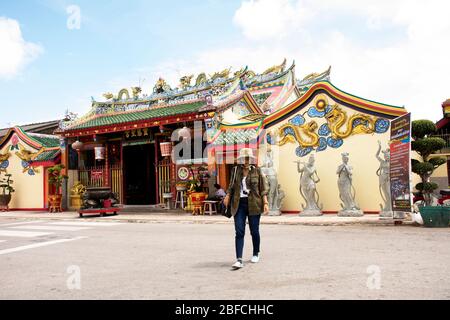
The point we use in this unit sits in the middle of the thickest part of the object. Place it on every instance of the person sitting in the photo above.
(219, 194)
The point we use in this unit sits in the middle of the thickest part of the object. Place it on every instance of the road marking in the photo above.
(37, 245)
(52, 228)
(79, 223)
(19, 223)
(22, 234)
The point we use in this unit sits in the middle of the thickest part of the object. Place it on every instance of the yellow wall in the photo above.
(29, 189)
(362, 149)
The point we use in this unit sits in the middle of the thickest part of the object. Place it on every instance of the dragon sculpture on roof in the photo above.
(185, 82)
(276, 69)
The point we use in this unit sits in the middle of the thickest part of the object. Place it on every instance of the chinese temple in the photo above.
(121, 142)
(27, 156)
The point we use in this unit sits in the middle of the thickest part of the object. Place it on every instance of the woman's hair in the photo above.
(217, 186)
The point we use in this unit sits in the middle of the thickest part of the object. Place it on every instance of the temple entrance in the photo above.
(139, 174)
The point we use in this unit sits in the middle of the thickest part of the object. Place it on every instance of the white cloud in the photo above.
(15, 52)
(269, 19)
(411, 69)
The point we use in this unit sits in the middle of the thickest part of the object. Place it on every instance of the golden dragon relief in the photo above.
(299, 133)
(338, 120)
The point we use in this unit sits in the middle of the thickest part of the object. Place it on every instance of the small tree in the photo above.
(425, 145)
(5, 184)
(56, 177)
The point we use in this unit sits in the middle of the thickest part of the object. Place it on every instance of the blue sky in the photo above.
(115, 38)
(386, 51)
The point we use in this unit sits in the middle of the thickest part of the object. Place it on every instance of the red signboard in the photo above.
(96, 174)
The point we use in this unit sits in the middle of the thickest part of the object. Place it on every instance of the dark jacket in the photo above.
(256, 183)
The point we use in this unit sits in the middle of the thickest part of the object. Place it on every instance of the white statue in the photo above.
(272, 179)
(281, 196)
(383, 174)
(346, 190)
(308, 180)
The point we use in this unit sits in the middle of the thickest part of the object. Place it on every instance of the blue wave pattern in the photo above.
(322, 144)
(314, 113)
(324, 130)
(302, 152)
(4, 164)
(289, 131)
(381, 125)
(358, 122)
(335, 143)
(298, 120)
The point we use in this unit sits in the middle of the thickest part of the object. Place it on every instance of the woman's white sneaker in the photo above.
(255, 259)
(238, 265)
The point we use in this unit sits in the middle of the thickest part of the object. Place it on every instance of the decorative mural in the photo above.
(26, 157)
(240, 109)
(4, 161)
(336, 127)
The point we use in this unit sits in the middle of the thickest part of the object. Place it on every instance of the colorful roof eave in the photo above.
(380, 109)
(123, 126)
(276, 80)
(23, 136)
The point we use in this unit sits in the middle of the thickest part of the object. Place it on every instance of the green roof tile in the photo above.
(47, 155)
(46, 141)
(152, 113)
(239, 136)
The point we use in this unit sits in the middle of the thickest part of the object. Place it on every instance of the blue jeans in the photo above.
(239, 226)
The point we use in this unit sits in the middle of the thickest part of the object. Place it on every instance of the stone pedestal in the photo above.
(275, 213)
(350, 213)
(386, 214)
(310, 213)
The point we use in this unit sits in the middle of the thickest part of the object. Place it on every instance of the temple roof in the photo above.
(37, 141)
(111, 117)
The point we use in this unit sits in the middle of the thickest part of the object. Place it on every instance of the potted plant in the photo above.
(76, 195)
(55, 178)
(7, 190)
(425, 145)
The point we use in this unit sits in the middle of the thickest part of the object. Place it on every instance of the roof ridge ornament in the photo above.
(276, 68)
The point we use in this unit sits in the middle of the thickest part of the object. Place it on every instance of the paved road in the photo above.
(87, 260)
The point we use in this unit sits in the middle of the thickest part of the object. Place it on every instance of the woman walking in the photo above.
(247, 196)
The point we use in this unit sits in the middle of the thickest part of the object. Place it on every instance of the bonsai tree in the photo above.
(425, 145)
(56, 177)
(6, 185)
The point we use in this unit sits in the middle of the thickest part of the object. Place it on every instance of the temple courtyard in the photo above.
(68, 258)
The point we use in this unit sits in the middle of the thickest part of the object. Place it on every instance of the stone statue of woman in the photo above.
(272, 179)
(383, 174)
(308, 180)
(346, 190)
